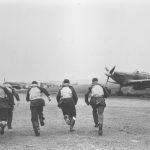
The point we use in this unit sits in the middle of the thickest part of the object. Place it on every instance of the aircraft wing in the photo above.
(145, 82)
(113, 82)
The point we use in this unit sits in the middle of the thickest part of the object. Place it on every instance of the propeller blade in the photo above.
(109, 73)
(107, 81)
(106, 69)
(112, 70)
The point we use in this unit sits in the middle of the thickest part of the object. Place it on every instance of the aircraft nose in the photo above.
(108, 74)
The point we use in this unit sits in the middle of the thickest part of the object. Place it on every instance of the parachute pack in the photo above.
(35, 93)
(99, 90)
(66, 92)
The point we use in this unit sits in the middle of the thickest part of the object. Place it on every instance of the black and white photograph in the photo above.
(75, 75)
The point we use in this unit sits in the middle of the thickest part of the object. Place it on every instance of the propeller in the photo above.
(106, 69)
(112, 70)
(109, 73)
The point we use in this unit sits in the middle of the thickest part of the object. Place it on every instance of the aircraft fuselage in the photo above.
(124, 79)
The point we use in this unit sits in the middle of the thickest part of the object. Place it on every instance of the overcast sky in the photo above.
(51, 40)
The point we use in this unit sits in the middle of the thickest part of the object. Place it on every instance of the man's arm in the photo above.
(43, 90)
(28, 96)
(74, 94)
(87, 96)
(15, 94)
(7, 92)
(58, 97)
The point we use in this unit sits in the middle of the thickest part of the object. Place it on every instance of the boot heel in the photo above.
(100, 129)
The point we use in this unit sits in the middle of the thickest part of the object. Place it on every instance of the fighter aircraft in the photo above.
(137, 80)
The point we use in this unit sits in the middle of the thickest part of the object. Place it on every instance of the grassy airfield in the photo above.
(126, 126)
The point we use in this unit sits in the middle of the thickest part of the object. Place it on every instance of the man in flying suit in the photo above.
(67, 99)
(97, 103)
(4, 108)
(12, 93)
(34, 95)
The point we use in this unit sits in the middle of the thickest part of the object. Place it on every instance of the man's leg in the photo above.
(65, 112)
(72, 117)
(95, 116)
(3, 119)
(34, 119)
(10, 116)
(100, 119)
(41, 117)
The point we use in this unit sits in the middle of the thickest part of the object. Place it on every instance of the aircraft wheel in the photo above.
(120, 93)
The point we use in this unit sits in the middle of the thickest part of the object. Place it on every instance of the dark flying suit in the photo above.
(67, 99)
(12, 93)
(36, 105)
(4, 108)
(97, 103)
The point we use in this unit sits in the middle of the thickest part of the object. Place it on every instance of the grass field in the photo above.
(126, 127)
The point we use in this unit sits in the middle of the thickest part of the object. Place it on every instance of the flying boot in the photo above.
(36, 128)
(100, 129)
(67, 119)
(2, 127)
(72, 124)
(42, 121)
(9, 124)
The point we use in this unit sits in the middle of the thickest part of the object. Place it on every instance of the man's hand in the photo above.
(59, 106)
(88, 103)
(49, 98)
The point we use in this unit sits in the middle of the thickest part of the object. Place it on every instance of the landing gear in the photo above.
(120, 93)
